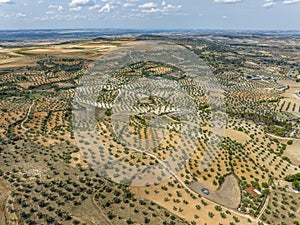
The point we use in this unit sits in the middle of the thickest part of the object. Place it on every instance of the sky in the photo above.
(150, 14)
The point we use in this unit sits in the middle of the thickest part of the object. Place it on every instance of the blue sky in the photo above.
(150, 14)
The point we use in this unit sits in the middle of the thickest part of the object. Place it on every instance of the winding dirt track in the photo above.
(99, 208)
(196, 194)
(264, 207)
(27, 115)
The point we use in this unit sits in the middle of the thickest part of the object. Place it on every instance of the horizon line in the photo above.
(155, 29)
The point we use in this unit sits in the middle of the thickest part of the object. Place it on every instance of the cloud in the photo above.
(227, 1)
(148, 5)
(269, 4)
(172, 7)
(75, 9)
(165, 10)
(5, 15)
(60, 8)
(49, 12)
(76, 3)
(65, 17)
(151, 10)
(128, 5)
(272, 3)
(95, 7)
(6, 2)
(105, 8)
(20, 14)
(290, 1)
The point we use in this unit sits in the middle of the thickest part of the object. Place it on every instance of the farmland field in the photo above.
(65, 124)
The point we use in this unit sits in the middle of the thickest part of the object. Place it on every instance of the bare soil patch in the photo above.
(239, 136)
(293, 152)
(228, 195)
(17, 63)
